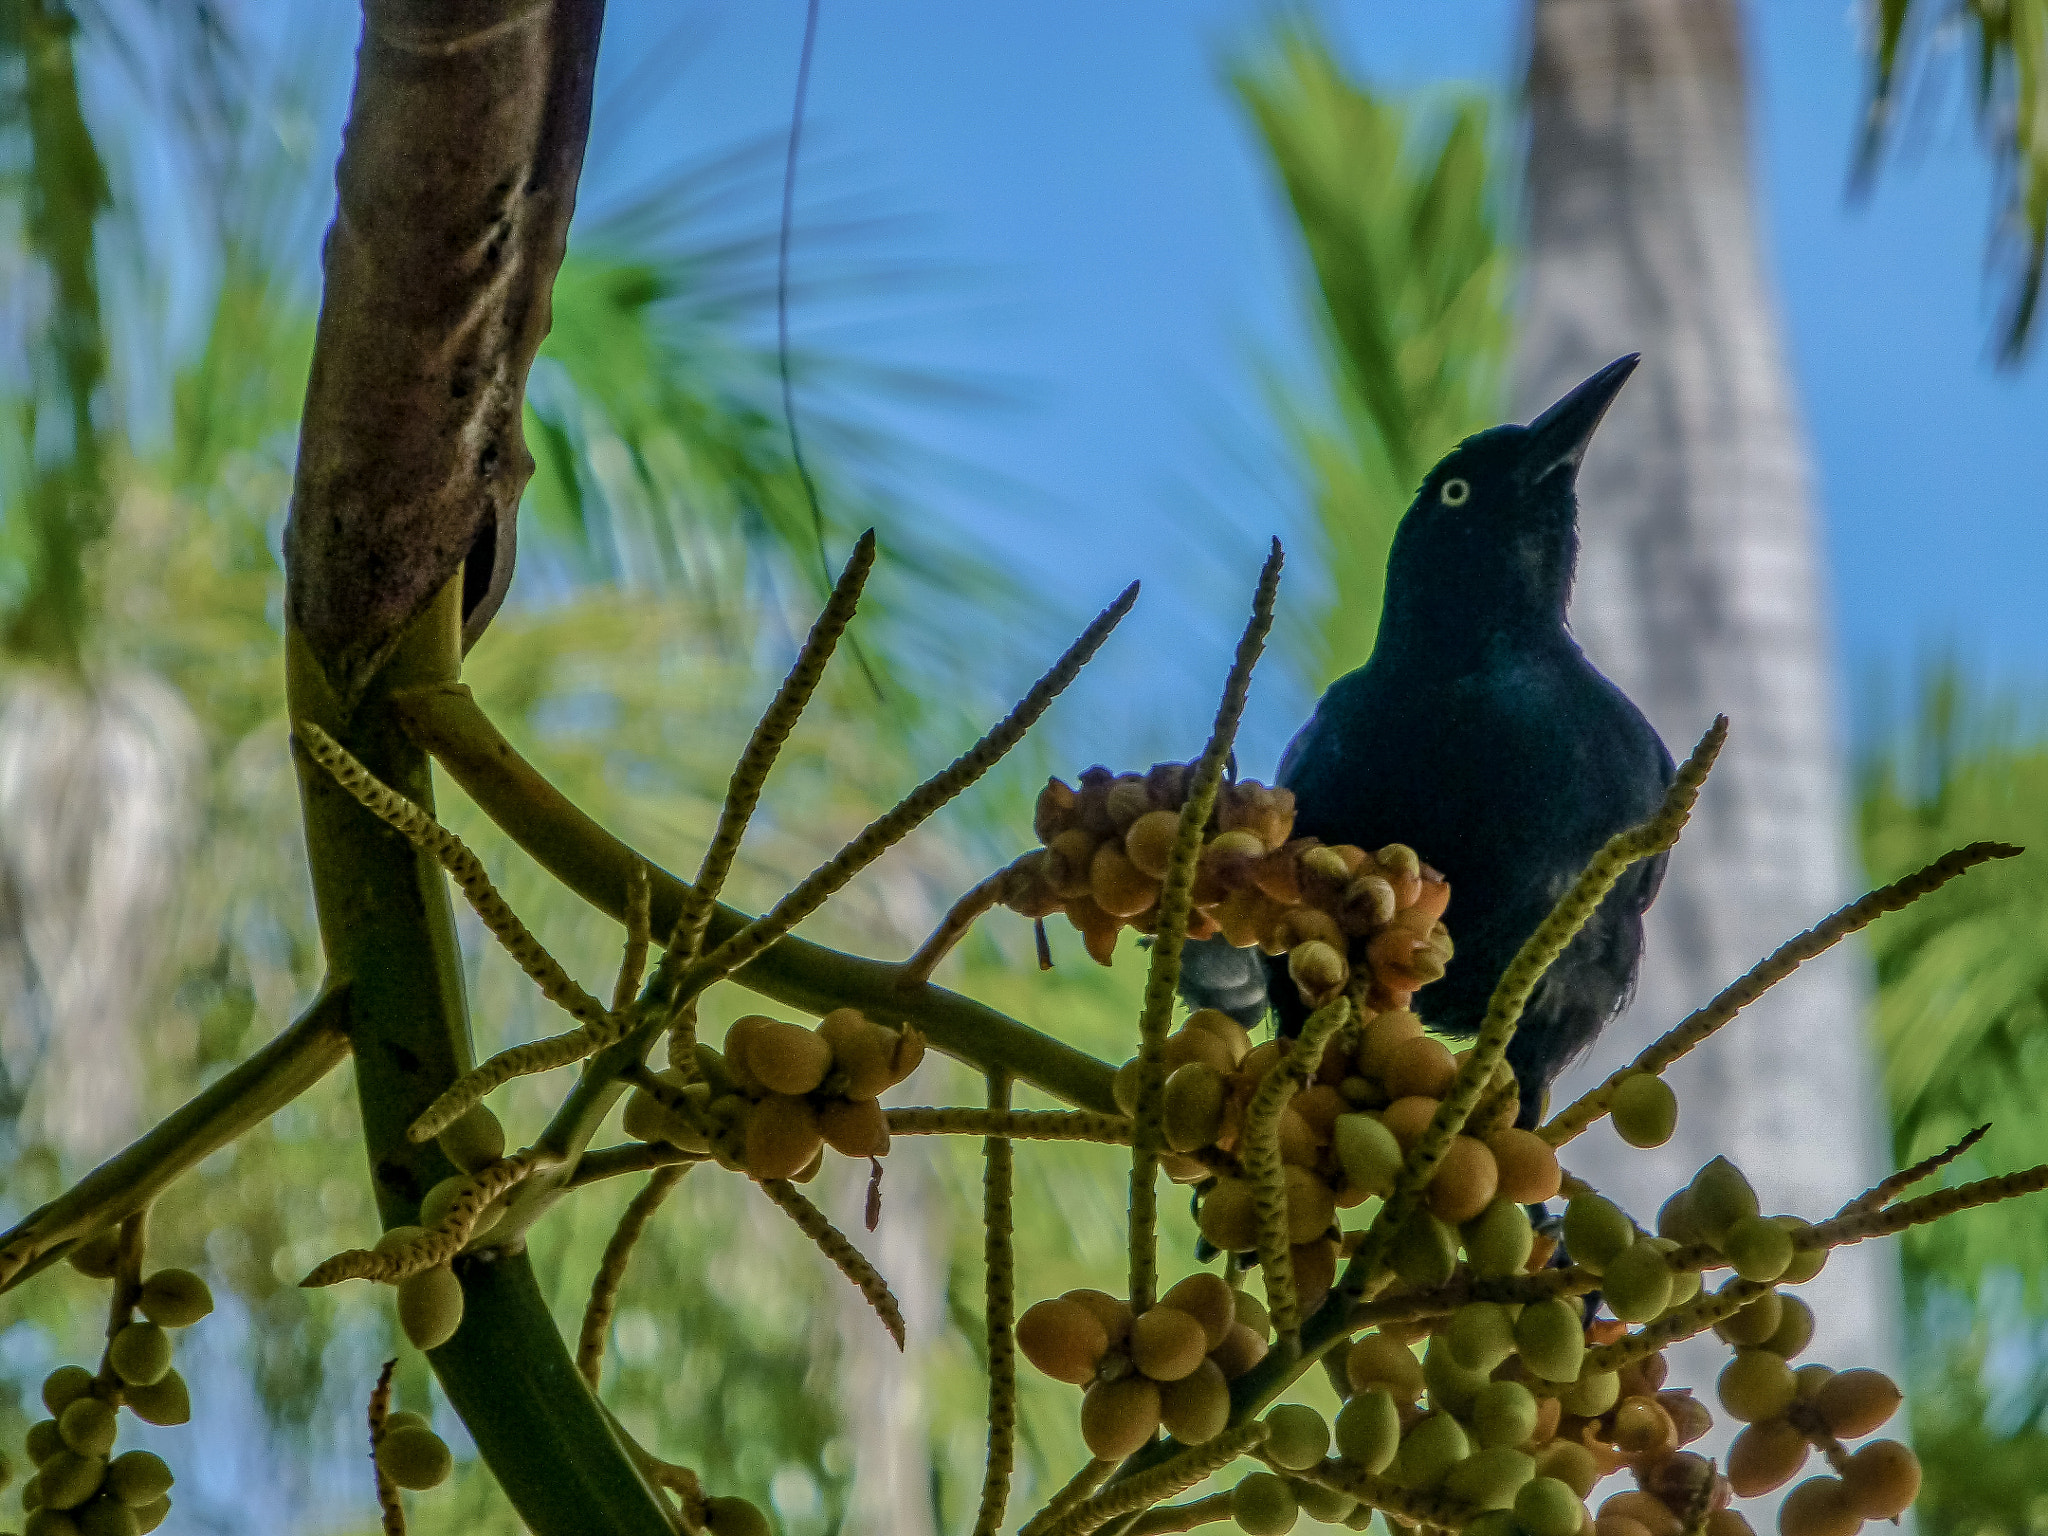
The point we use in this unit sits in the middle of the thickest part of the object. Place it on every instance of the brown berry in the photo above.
(1197, 1407)
(1765, 1456)
(786, 1058)
(1148, 843)
(1117, 1417)
(1854, 1403)
(1882, 1479)
(1529, 1171)
(855, 1127)
(1465, 1181)
(1229, 1216)
(1167, 1344)
(1408, 1118)
(1064, 1339)
(1818, 1507)
(1114, 1314)
(1242, 1348)
(1209, 1300)
(1419, 1065)
(782, 1136)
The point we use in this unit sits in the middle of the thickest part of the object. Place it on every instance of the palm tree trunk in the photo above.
(1700, 590)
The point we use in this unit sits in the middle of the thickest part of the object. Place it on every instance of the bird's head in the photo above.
(1491, 540)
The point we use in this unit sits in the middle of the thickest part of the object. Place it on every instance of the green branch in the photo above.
(447, 721)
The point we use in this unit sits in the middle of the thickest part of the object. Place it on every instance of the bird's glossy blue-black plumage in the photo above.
(1480, 735)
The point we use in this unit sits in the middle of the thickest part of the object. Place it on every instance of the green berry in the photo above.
(474, 1140)
(430, 1307)
(87, 1426)
(50, 1522)
(65, 1385)
(69, 1479)
(104, 1517)
(1262, 1504)
(1490, 1478)
(1325, 1506)
(1806, 1262)
(138, 1477)
(1504, 1413)
(97, 1256)
(1425, 1252)
(1299, 1438)
(1451, 1385)
(1492, 1522)
(1758, 1248)
(43, 1441)
(1481, 1335)
(164, 1402)
(1637, 1284)
(174, 1298)
(1552, 1339)
(1370, 1155)
(1795, 1328)
(1718, 1197)
(1498, 1240)
(1369, 1430)
(1755, 1323)
(1592, 1394)
(1756, 1385)
(140, 1354)
(149, 1516)
(1645, 1110)
(1431, 1449)
(1596, 1231)
(414, 1458)
(1547, 1507)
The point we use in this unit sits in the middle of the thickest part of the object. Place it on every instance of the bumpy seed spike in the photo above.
(1162, 979)
(743, 793)
(1437, 1509)
(999, 1258)
(1517, 983)
(917, 970)
(1015, 1124)
(535, 1056)
(463, 867)
(896, 824)
(1072, 1492)
(611, 1269)
(1696, 1316)
(1844, 1230)
(851, 1262)
(437, 1245)
(1174, 1475)
(388, 1502)
(639, 935)
(1262, 1160)
(1886, 1190)
(1767, 973)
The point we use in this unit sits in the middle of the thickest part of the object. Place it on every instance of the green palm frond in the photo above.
(1963, 976)
(1398, 213)
(2011, 88)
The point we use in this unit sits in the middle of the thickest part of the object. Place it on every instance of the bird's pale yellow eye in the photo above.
(1455, 492)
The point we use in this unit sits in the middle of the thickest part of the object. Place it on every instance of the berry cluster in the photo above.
(1168, 1367)
(1342, 1141)
(779, 1094)
(1327, 908)
(80, 1487)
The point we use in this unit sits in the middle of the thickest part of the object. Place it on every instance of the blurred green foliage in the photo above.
(1962, 1019)
(1399, 210)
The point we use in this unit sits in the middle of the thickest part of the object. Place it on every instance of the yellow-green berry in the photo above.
(1552, 1339)
(430, 1307)
(174, 1298)
(734, 1517)
(68, 1479)
(165, 1402)
(65, 1385)
(87, 1425)
(1637, 1284)
(1491, 1477)
(414, 1457)
(1504, 1413)
(1369, 1429)
(1547, 1507)
(43, 1441)
(138, 1477)
(140, 1354)
(1262, 1504)
(106, 1517)
(474, 1140)
(1299, 1437)
(1718, 1197)
(149, 1516)
(1596, 1231)
(1645, 1110)
(97, 1256)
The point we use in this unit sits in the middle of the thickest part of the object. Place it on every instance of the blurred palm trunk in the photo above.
(1699, 591)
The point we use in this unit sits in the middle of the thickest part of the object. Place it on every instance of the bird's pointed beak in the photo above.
(1557, 439)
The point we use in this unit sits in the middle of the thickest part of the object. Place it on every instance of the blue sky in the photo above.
(1111, 257)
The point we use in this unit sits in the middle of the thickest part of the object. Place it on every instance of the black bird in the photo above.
(1480, 735)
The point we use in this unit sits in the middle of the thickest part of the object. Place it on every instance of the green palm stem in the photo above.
(447, 721)
(388, 928)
